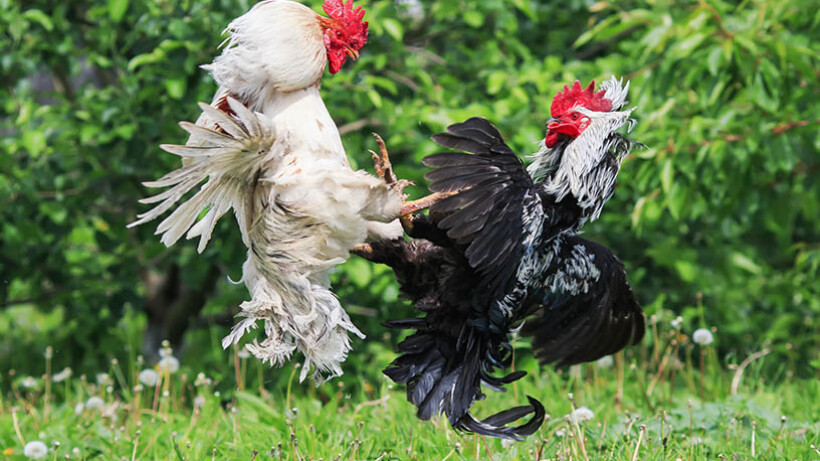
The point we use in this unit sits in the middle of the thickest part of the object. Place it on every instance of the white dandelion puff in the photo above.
(580, 415)
(168, 364)
(109, 411)
(202, 380)
(244, 354)
(35, 450)
(79, 408)
(149, 377)
(677, 322)
(94, 403)
(702, 337)
(62, 376)
(102, 379)
(199, 401)
(165, 350)
(29, 383)
(605, 362)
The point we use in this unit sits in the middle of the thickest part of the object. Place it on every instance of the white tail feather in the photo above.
(227, 162)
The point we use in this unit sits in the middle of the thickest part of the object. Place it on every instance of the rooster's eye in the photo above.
(575, 115)
(339, 34)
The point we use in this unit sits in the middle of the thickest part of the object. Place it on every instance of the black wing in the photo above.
(589, 311)
(494, 194)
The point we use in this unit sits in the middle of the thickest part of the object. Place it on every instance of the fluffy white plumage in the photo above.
(276, 158)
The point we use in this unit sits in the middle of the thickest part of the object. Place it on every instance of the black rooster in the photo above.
(499, 246)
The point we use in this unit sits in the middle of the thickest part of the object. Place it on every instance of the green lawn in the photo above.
(184, 417)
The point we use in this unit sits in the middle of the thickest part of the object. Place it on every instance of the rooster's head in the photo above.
(570, 109)
(344, 32)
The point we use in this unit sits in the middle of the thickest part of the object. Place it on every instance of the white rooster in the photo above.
(268, 149)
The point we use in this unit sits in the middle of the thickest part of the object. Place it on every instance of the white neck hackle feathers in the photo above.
(574, 167)
(277, 46)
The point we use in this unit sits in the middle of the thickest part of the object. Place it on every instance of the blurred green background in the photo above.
(717, 219)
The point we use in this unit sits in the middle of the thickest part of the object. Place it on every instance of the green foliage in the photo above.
(717, 219)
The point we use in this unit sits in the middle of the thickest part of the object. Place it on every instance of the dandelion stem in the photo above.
(754, 430)
(17, 427)
(619, 366)
(136, 444)
(240, 384)
(47, 380)
(638, 446)
(484, 441)
(739, 373)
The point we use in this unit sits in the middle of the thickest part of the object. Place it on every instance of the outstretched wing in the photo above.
(494, 204)
(589, 310)
(228, 158)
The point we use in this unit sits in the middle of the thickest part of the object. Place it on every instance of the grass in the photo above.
(667, 399)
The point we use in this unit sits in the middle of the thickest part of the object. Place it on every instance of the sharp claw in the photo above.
(386, 166)
(377, 164)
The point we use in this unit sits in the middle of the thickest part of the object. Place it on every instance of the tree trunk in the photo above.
(172, 306)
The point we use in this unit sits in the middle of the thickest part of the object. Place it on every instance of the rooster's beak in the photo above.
(351, 52)
(553, 120)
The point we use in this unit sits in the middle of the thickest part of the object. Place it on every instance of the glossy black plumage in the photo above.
(443, 363)
(499, 252)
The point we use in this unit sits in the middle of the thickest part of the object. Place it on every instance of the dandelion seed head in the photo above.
(199, 401)
(79, 408)
(677, 322)
(165, 350)
(49, 353)
(35, 450)
(244, 354)
(102, 379)
(202, 380)
(149, 377)
(582, 414)
(702, 337)
(168, 364)
(94, 403)
(29, 382)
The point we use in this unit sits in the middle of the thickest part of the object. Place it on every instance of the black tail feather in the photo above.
(444, 373)
(496, 425)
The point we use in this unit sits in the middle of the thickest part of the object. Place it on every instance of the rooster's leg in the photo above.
(364, 250)
(423, 203)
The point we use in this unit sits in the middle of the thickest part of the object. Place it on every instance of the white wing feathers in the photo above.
(229, 161)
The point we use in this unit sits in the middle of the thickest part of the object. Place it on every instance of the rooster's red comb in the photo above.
(578, 96)
(349, 18)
